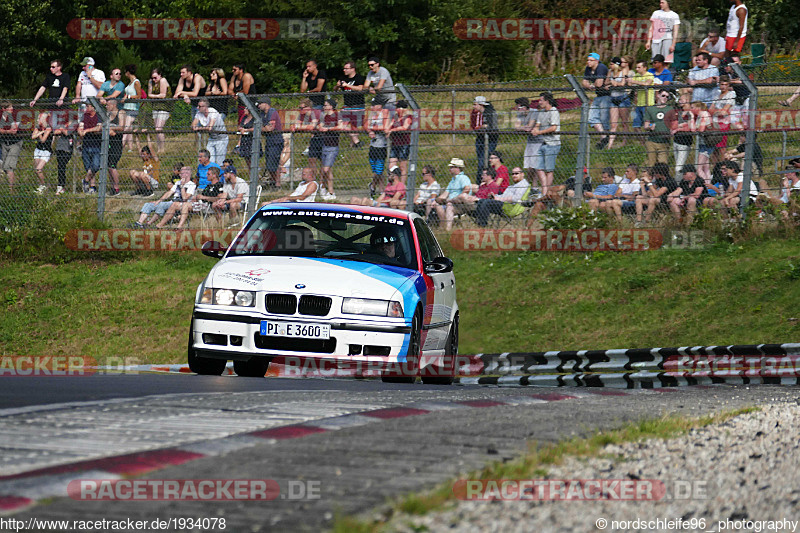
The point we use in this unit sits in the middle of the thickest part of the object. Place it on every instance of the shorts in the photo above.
(42, 154)
(401, 151)
(329, 154)
(272, 155)
(708, 150)
(162, 116)
(621, 101)
(663, 49)
(315, 147)
(11, 155)
(628, 205)
(546, 159)
(133, 113)
(531, 153)
(114, 155)
(598, 112)
(732, 46)
(352, 115)
(638, 116)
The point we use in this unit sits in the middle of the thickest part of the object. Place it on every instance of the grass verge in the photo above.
(534, 464)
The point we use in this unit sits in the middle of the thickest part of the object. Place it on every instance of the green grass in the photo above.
(533, 465)
(726, 294)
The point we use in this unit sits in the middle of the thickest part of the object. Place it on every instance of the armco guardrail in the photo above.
(641, 368)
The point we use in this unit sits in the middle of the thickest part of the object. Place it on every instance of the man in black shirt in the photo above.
(688, 195)
(594, 79)
(352, 113)
(314, 81)
(56, 83)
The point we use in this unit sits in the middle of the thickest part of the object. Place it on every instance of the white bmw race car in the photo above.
(349, 285)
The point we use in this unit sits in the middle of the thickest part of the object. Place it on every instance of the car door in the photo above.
(443, 289)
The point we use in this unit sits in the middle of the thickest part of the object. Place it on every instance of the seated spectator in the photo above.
(738, 154)
(305, 192)
(603, 196)
(393, 195)
(501, 171)
(656, 191)
(203, 164)
(179, 192)
(714, 47)
(688, 195)
(454, 199)
(486, 189)
(199, 203)
(790, 188)
(716, 186)
(628, 189)
(509, 202)
(661, 74)
(235, 189)
(735, 176)
(792, 98)
(428, 190)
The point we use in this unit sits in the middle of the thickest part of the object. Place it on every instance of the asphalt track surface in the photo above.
(362, 442)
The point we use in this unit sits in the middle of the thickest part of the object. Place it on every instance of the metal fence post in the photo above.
(103, 174)
(413, 156)
(583, 137)
(255, 153)
(750, 135)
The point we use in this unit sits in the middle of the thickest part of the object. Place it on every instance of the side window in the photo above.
(429, 248)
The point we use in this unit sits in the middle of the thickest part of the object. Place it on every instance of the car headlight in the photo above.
(363, 306)
(228, 297)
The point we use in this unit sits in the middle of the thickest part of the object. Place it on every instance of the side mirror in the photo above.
(213, 249)
(439, 266)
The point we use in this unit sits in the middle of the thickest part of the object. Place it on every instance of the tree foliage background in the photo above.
(414, 38)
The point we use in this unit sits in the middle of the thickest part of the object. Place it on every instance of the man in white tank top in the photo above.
(305, 192)
(736, 27)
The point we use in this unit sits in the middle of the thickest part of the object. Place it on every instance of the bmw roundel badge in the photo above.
(299, 286)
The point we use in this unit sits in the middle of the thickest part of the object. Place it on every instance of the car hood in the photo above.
(326, 276)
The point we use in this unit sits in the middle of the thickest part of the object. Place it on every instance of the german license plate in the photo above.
(295, 329)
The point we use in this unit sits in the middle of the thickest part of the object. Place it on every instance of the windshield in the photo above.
(333, 234)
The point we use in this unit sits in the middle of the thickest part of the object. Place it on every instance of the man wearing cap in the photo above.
(393, 195)
(663, 30)
(483, 120)
(594, 78)
(234, 191)
(273, 139)
(89, 81)
(453, 196)
(662, 75)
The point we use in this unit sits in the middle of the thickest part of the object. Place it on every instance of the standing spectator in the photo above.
(190, 87)
(643, 79)
(56, 83)
(505, 202)
(307, 120)
(657, 186)
(483, 120)
(453, 199)
(736, 27)
(204, 162)
(703, 78)
(353, 111)
(379, 82)
(603, 196)
(594, 78)
(526, 121)
(158, 89)
(657, 143)
(620, 97)
(114, 144)
(208, 119)
(739, 111)
(376, 123)
(400, 135)
(688, 194)
(427, 191)
(145, 180)
(89, 81)
(661, 74)
(680, 122)
(720, 114)
(501, 178)
(706, 146)
(548, 126)
(273, 138)
(329, 127)
(217, 91)
(314, 81)
(43, 150)
(245, 129)
(181, 191)
(90, 130)
(112, 87)
(64, 141)
(235, 189)
(713, 46)
(242, 82)
(663, 31)
(133, 93)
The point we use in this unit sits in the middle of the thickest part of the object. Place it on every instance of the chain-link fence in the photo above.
(116, 156)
